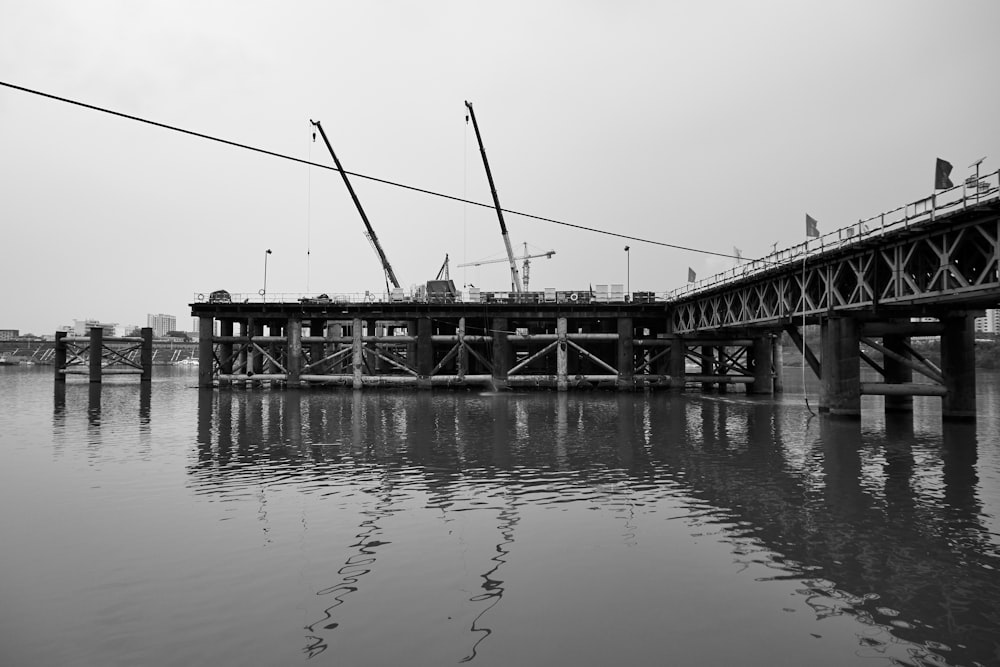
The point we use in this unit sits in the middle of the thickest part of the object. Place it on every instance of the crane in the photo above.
(525, 258)
(515, 279)
(369, 233)
(443, 271)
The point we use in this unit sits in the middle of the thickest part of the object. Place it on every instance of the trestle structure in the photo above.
(871, 295)
(611, 346)
(97, 355)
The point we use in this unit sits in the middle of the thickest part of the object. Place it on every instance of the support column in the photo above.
(146, 355)
(317, 351)
(256, 362)
(501, 352)
(242, 359)
(225, 349)
(760, 366)
(562, 356)
(626, 355)
(425, 352)
(335, 330)
(778, 364)
(293, 360)
(676, 369)
(958, 365)
(60, 356)
(707, 366)
(841, 367)
(462, 361)
(896, 372)
(357, 352)
(96, 347)
(206, 360)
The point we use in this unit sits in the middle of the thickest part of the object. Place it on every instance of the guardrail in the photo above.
(969, 193)
(346, 298)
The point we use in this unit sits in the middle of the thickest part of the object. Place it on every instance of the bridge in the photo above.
(924, 269)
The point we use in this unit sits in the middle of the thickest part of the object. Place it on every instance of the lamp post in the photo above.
(628, 273)
(263, 292)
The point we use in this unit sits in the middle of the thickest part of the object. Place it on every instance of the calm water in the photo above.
(178, 527)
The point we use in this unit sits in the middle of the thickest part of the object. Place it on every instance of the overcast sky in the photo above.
(702, 124)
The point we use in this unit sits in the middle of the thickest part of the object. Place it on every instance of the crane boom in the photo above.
(369, 233)
(515, 278)
(495, 261)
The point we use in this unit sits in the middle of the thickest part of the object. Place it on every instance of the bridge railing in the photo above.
(969, 193)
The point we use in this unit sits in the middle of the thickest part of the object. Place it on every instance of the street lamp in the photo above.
(263, 292)
(628, 272)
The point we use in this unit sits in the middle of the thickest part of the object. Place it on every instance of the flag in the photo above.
(941, 172)
(738, 253)
(691, 275)
(812, 227)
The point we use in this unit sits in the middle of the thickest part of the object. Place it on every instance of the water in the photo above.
(173, 527)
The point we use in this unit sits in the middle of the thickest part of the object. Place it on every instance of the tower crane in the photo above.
(526, 259)
(515, 279)
(369, 233)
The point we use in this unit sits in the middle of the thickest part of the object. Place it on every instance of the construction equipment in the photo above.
(369, 233)
(515, 278)
(443, 271)
(525, 266)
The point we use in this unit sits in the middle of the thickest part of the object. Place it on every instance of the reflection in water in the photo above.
(880, 521)
(123, 402)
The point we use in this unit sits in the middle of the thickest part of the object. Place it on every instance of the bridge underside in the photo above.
(619, 346)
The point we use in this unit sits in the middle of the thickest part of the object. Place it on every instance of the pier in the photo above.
(926, 269)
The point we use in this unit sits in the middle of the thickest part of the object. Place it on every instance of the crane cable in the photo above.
(374, 179)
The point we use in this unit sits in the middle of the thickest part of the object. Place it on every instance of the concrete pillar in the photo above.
(760, 366)
(562, 356)
(206, 361)
(626, 355)
(707, 366)
(411, 348)
(256, 361)
(841, 367)
(676, 368)
(778, 364)
(335, 330)
(357, 352)
(226, 349)
(242, 360)
(317, 351)
(146, 355)
(293, 361)
(896, 372)
(501, 352)
(96, 348)
(958, 365)
(425, 352)
(60, 356)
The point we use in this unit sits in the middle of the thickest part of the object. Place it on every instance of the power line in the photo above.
(374, 179)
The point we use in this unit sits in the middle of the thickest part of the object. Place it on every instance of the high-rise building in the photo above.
(989, 323)
(161, 324)
(8, 334)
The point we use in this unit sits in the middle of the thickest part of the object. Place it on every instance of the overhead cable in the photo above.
(374, 179)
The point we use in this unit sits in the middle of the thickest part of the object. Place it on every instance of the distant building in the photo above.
(990, 323)
(9, 334)
(161, 324)
(83, 327)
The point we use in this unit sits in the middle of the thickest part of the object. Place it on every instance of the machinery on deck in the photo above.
(515, 278)
(369, 233)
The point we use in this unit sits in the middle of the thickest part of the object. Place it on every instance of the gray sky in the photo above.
(704, 124)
